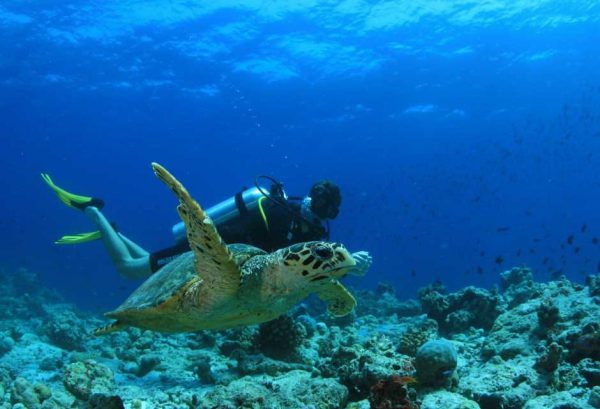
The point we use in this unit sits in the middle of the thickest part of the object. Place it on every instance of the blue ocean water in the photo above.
(465, 135)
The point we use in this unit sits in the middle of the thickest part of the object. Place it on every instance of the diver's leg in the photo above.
(125, 264)
(134, 249)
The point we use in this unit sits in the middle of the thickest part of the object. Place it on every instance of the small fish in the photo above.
(502, 229)
(583, 228)
(595, 240)
(482, 253)
(576, 250)
(413, 273)
(562, 246)
(570, 239)
(536, 239)
(518, 252)
(404, 380)
(545, 260)
(479, 270)
(499, 260)
(531, 251)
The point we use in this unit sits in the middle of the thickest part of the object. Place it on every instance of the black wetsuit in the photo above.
(285, 227)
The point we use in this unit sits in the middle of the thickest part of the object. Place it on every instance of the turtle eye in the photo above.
(323, 251)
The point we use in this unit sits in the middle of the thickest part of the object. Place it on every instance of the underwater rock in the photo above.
(414, 337)
(30, 396)
(280, 338)
(211, 368)
(6, 343)
(499, 383)
(22, 295)
(575, 329)
(64, 329)
(99, 401)
(559, 400)
(360, 367)
(384, 302)
(548, 314)
(447, 400)
(362, 404)
(583, 342)
(518, 286)
(457, 312)
(593, 283)
(435, 362)
(549, 358)
(393, 392)
(511, 333)
(594, 399)
(590, 371)
(293, 390)
(82, 379)
(251, 364)
(147, 363)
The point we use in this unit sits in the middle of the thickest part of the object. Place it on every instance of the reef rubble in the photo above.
(525, 345)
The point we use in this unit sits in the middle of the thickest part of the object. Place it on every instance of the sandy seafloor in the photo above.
(523, 345)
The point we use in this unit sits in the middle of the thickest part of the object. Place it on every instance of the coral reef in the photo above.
(533, 345)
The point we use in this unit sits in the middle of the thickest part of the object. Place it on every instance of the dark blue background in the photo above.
(440, 126)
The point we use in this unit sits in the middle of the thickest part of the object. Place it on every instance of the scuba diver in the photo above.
(268, 220)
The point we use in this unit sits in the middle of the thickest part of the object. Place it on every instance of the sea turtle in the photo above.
(217, 286)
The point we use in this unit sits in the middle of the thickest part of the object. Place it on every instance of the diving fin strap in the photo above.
(71, 199)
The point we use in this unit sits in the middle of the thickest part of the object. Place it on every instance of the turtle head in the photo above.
(317, 261)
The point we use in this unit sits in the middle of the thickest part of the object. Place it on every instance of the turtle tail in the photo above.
(113, 327)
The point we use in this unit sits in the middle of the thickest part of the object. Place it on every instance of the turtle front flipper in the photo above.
(339, 300)
(214, 262)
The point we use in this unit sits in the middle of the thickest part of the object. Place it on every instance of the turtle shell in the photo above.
(167, 281)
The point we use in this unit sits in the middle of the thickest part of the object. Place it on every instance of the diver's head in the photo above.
(325, 199)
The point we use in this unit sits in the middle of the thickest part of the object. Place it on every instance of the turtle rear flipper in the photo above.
(113, 327)
(214, 261)
(339, 301)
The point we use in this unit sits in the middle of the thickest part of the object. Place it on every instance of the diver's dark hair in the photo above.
(325, 199)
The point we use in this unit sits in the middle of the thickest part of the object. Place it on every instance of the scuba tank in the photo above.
(228, 210)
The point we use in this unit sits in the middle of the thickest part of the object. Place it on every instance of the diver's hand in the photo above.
(363, 261)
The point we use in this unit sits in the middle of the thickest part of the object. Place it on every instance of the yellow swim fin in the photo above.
(79, 238)
(71, 199)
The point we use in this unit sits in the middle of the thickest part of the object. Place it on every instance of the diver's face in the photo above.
(323, 208)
